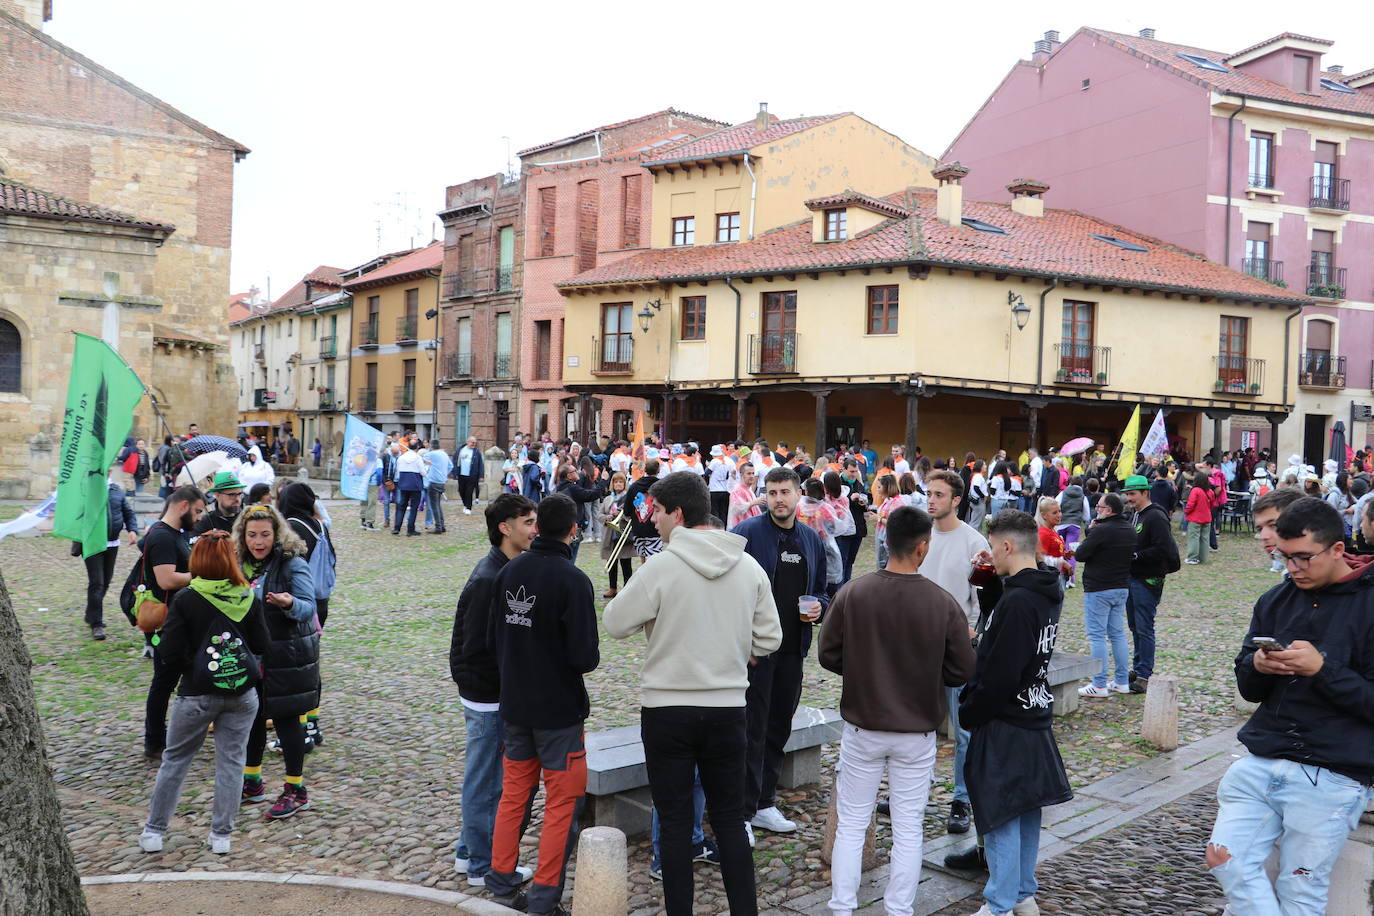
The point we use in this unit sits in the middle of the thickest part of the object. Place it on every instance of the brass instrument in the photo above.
(623, 524)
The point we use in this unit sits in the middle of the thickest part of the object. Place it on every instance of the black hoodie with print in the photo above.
(1009, 682)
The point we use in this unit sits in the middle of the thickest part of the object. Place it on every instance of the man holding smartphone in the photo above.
(1311, 742)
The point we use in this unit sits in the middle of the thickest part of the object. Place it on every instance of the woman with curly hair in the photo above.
(273, 560)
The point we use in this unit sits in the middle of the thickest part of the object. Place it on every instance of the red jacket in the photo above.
(1199, 508)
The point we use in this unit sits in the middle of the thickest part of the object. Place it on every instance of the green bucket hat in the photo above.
(225, 480)
(1136, 482)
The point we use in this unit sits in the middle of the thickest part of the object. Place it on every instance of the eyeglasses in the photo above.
(1300, 562)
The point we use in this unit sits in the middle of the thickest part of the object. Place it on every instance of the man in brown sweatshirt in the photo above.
(898, 640)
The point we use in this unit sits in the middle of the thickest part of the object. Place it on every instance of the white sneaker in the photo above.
(150, 842)
(1114, 688)
(772, 819)
(219, 845)
(525, 873)
(985, 910)
(1191, 562)
(1027, 907)
(749, 832)
(467, 511)
(460, 865)
(1096, 693)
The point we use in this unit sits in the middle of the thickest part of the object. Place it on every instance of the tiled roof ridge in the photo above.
(616, 126)
(1280, 37)
(664, 155)
(36, 202)
(851, 196)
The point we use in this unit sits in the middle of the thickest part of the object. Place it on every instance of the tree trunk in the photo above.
(37, 871)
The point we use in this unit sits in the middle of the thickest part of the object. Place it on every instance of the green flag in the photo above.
(101, 398)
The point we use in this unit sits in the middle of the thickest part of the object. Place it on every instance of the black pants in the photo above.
(291, 733)
(407, 499)
(99, 571)
(775, 685)
(467, 490)
(625, 567)
(160, 691)
(322, 610)
(720, 506)
(680, 741)
(849, 545)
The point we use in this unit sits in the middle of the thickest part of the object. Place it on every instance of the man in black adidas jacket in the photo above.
(1311, 741)
(510, 529)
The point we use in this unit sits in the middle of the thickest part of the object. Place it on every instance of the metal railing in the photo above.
(367, 400)
(615, 352)
(1330, 193)
(1319, 369)
(1238, 375)
(1325, 281)
(1082, 364)
(329, 346)
(505, 278)
(1261, 179)
(457, 365)
(404, 398)
(367, 333)
(327, 399)
(459, 285)
(502, 366)
(773, 353)
(1264, 269)
(259, 353)
(406, 328)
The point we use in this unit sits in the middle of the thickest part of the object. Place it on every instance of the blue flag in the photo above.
(362, 454)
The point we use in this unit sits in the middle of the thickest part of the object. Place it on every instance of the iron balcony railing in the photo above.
(367, 400)
(259, 353)
(327, 399)
(1319, 369)
(1261, 179)
(1082, 364)
(457, 365)
(1325, 281)
(329, 346)
(505, 278)
(404, 398)
(1238, 375)
(406, 328)
(367, 333)
(1330, 193)
(503, 366)
(773, 353)
(1264, 269)
(615, 352)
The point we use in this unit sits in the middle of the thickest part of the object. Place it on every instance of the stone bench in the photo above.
(618, 780)
(1067, 670)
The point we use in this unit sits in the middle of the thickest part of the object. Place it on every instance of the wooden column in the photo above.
(740, 402)
(681, 417)
(821, 397)
(1032, 428)
(1216, 438)
(667, 408)
(1273, 436)
(912, 415)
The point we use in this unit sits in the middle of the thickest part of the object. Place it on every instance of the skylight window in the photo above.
(1119, 243)
(982, 226)
(1335, 86)
(1205, 63)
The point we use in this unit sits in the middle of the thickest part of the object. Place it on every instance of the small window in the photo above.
(1205, 63)
(882, 309)
(693, 317)
(982, 226)
(836, 224)
(289, 323)
(1335, 86)
(1087, 84)
(11, 357)
(1119, 243)
(727, 227)
(685, 230)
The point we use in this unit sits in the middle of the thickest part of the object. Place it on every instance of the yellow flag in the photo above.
(1130, 445)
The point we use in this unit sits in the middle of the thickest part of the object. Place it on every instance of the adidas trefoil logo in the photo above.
(520, 605)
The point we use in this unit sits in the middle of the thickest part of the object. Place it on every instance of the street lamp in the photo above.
(1019, 310)
(645, 316)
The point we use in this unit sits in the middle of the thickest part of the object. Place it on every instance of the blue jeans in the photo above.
(1142, 603)
(698, 810)
(1104, 620)
(1309, 810)
(1012, 850)
(482, 776)
(960, 744)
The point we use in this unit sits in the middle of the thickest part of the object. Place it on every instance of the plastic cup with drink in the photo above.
(809, 607)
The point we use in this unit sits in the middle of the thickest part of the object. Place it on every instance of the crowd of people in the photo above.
(959, 619)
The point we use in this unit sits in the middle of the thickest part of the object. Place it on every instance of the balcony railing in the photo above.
(367, 400)
(505, 278)
(615, 353)
(1238, 375)
(1319, 369)
(503, 366)
(1082, 364)
(1330, 193)
(259, 353)
(406, 328)
(457, 365)
(404, 396)
(1261, 179)
(773, 353)
(1325, 281)
(1264, 269)
(459, 285)
(367, 333)
(329, 347)
(327, 399)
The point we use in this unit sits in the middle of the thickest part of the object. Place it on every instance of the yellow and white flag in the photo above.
(1130, 444)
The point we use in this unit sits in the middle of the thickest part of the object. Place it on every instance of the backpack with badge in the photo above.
(224, 664)
(322, 559)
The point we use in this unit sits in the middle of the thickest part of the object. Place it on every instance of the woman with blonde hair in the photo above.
(1048, 514)
(617, 559)
(272, 557)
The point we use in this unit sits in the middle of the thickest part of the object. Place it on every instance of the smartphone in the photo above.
(1268, 644)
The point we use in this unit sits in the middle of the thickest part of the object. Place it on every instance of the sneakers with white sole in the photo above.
(1095, 693)
(150, 842)
(749, 833)
(772, 819)
(219, 845)
(460, 864)
(1119, 688)
(1027, 907)
(524, 872)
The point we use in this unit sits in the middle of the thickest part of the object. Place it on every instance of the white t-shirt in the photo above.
(901, 467)
(978, 485)
(620, 462)
(947, 565)
(721, 473)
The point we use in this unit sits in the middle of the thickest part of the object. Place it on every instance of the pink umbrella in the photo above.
(1074, 446)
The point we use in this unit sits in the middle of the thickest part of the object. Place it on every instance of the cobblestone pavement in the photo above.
(385, 784)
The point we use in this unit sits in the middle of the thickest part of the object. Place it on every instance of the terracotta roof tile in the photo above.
(738, 139)
(618, 124)
(851, 198)
(1280, 37)
(429, 257)
(320, 276)
(24, 200)
(1057, 244)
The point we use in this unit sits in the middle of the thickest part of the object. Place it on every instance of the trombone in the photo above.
(622, 524)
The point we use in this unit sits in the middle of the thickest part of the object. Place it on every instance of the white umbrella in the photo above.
(201, 467)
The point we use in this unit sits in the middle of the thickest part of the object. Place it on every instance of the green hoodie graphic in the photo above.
(226, 658)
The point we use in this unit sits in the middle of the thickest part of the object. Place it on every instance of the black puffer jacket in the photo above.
(291, 686)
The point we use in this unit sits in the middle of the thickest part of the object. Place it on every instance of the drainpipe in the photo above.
(738, 306)
(1230, 134)
(1287, 331)
(753, 197)
(1040, 351)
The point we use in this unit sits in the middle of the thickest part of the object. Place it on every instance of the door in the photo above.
(849, 430)
(1314, 438)
(503, 424)
(1232, 364)
(617, 341)
(777, 351)
(462, 423)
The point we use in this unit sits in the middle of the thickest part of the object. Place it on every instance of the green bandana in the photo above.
(233, 601)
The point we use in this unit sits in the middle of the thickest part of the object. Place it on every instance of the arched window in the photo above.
(11, 357)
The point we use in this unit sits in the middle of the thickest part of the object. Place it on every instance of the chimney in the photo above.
(1335, 68)
(949, 196)
(761, 120)
(30, 12)
(1147, 33)
(1026, 196)
(1045, 47)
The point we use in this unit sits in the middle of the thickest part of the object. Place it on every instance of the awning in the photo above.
(247, 423)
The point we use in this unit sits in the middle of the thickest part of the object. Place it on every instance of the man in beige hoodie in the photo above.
(706, 608)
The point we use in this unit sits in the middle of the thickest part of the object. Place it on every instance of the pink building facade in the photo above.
(1261, 159)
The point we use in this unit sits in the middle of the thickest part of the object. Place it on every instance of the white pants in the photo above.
(909, 758)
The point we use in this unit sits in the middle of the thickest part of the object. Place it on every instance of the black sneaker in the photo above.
(1140, 684)
(656, 871)
(971, 859)
(515, 901)
(312, 733)
(98, 633)
(706, 852)
(152, 754)
(959, 815)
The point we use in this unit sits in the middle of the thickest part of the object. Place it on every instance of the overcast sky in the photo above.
(360, 113)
